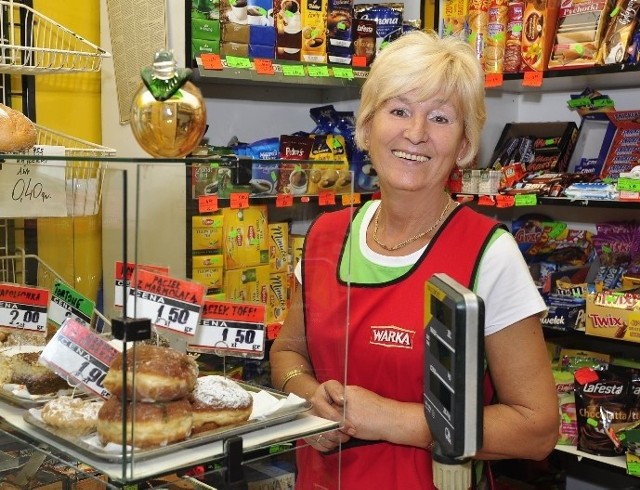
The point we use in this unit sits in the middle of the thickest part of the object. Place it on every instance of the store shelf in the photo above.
(33, 44)
(618, 461)
(602, 77)
(342, 82)
(566, 202)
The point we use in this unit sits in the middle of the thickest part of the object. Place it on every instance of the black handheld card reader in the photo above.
(453, 372)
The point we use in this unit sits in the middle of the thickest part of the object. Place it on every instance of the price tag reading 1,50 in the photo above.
(233, 328)
(80, 356)
(23, 307)
(171, 303)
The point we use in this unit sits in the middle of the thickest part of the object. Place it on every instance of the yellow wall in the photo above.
(70, 104)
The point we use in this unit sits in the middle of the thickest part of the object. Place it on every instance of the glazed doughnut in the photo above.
(161, 374)
(156, 424)
(72, 414)
(217, 401)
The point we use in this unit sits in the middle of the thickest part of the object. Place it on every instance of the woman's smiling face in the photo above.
(415, 144)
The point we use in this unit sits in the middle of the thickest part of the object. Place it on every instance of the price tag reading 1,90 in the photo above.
(235, 329)
(23, 307)
(171, 303)
(79, 355)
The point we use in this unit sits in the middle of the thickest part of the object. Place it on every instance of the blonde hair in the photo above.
(422, 62)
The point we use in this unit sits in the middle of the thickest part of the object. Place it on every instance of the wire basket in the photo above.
(33, 43)
(83, 178)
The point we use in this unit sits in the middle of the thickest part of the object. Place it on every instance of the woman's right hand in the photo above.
(328, 403)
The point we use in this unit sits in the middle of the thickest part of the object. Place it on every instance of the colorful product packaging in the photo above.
(245, 237)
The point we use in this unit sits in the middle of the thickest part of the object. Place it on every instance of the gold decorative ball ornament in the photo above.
(168, 114)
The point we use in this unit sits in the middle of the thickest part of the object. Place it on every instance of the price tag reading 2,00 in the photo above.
(171, 303)
(234, 329)
(23, 307)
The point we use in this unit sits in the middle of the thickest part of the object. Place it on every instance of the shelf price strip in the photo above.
(66, 302)
(235, 329)
(23, 307)
(174, 304)
(80, 356)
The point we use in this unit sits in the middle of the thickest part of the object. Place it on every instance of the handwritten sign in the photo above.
(23, 307)
(235, 329)
(171, 303)
(34, 188)
(80, 356)
(66, 302)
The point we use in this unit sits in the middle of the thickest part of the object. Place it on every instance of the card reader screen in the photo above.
(442, 353)
(440, 391)
(442, 313)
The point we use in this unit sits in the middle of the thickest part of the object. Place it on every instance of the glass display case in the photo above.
(105, 285)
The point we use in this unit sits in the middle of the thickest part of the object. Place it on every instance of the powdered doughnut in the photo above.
(72, 414)
(161, 374)
(156, 424)
(220, 401)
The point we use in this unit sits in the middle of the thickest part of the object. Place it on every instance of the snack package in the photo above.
(513, 42)
(602, 399)
(579, 31)
(618, 35)
(498, 15)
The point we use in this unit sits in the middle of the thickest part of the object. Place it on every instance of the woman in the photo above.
(422, 112)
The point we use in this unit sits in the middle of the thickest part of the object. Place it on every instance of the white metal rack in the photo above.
(31, 43)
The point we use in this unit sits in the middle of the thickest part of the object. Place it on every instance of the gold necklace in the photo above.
(414, 237)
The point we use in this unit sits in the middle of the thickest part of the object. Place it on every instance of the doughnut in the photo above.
(156, 424)
(161, 374)
(72, 414)
(217, 401)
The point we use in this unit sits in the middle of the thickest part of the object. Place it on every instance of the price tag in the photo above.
(318, 71)
(532, 79)
(211, 61)
(207, 203)
(239, 200)
(273, 329)
(484, 200)
(23, 307)
(233, 328)
(263, 66)
(171, 303)
(504, 201)
(284, 200)
(326, 198)
(343, 72)
(627, 184)
(66, 302)
(80, 356)
(123, 277)
(348, 199)
(293, 70)
(238, 61)
(493, 80)
(526, 200)
(359, 61)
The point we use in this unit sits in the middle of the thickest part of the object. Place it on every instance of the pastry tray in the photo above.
(35, 401)
(93, 450)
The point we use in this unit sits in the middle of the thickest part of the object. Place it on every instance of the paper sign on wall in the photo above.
(33, 188)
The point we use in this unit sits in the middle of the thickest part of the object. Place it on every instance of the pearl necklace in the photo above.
(414, 237)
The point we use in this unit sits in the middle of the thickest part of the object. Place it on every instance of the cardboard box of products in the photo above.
(538, 33)
(551, 148)
(614, 315)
